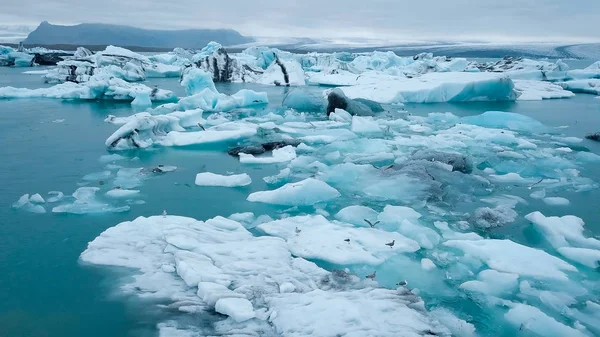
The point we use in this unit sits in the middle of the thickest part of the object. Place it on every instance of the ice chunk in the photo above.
(457, 326)
(506, 120)
(589, 86)
(212, 179)
(195, 80)
(303, 193)
(585, 256)
(435, 87)
(356, 215)
(209, 100)
(364, 125)
(540, 194)
(510, 257)
(281, 155)
(529, 318)
(240, 309)
(340, 115)
(25, 204)
(86, 202)
(493, 283)
(37, 199)
(141, 100)
(512, 178)
(556, 201)
(55, 196)
(349, 313)
(219, 134)
(539, 90)
(282, 176)
(283, 72)
(563, 231)
(324, 240)
(486, 217)
(427, 264)
(122, 193)
(303, 100)
(426, 237)
(397, 214)
(211, 293)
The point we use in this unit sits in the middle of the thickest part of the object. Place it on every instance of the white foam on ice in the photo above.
(213, 179)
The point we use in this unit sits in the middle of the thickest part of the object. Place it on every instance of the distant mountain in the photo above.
(103, 34)
(13, 33)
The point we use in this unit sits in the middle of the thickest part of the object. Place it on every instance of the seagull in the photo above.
(298, 231)
(201, 127)
(164, 213)
(391, 244)
(372, 276)
(118, 187)
(347, 240)
(402, 284)
(371, 224)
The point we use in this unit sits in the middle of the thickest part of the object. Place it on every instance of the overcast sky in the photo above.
(487, 20)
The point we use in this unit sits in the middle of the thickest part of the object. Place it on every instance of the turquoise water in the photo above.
(45, 291)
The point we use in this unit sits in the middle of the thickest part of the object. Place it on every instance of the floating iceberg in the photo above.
(435, 87)
(538, 90)
(29, 204)
(99, 86)
(243, 276)
(86, 203)
(303, 193)
(591, 86)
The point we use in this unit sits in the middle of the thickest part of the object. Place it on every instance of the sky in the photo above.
(399, 20)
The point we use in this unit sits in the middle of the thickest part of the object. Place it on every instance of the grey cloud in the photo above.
(537, 20)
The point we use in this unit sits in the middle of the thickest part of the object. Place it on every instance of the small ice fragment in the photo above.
(286, 287)
(556, 201)
(56, 196)
(97, 176)
(427, 264)
(121, 193)
(239, 309)
(58, 121)
(167, 268)
(212, 179)
(37, 199)
(541, 194)
(142, 99)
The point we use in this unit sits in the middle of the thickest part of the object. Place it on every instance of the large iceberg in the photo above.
(254, 281)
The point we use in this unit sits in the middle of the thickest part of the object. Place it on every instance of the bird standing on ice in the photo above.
(372, 276)
(164, 213)
(298, 231)
(391, 244)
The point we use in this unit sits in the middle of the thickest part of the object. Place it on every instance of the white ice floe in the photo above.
(212, 179)
(240, 309)
(510, 257)
(357, 215)
(589, 86)
(282, 155)
(303, 193)
(539, 90)
(37, 199)
(240, 275)
(122, 193)
(55, 196)
(98, 87)
(528, 318)
(556, 201)
(86, 203)
(319, 238)
(493, 283)
(435, 87)
(25, 203)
